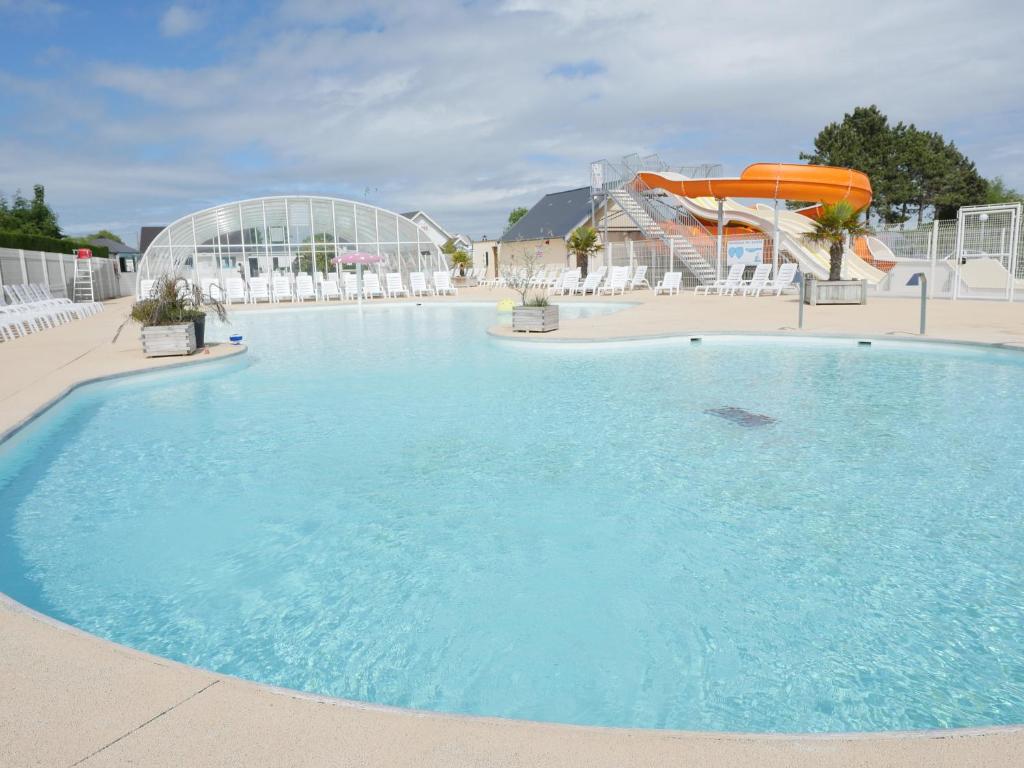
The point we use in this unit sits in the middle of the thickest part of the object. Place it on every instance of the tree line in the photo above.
(21, 216)
(914, 173)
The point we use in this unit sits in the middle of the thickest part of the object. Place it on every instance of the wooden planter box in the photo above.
(164, 340)
(535, 319)
(836, 292)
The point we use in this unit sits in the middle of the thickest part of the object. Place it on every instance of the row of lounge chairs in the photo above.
(31, 308)
(760, 282)
(302, 288)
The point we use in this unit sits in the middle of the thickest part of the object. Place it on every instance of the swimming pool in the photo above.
(393, 507)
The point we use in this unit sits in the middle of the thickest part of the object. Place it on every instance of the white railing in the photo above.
(685, 238)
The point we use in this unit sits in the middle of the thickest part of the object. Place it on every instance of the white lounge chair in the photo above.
(60, 310)
(443, 284)
(236, 293)
(757, 281)
(259, 290)
(730, 282)
(282, 288)
(329, 290)
(669, 283)
(393, 282)
(304, 288)
(146, 289)
(590, 284)
(782, 280)
(371, 286)
(418, 284)
(570, 283)
(616, 282)
(350, 285)
(211, 288)
(639, 278)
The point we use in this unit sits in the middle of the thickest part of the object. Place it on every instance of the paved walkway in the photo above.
(67, 698)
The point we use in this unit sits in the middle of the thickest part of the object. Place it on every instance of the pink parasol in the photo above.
(357, 257)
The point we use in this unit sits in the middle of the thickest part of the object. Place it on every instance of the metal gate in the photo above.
(988, 252)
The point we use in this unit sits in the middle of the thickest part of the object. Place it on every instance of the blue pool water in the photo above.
(394, 507)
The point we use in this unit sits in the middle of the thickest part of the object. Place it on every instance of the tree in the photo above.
(457, 256)
(516, 215)
(864, 140)
(33, 217)
(836, 223)
(910, 169)
(583, 244)
(997, 191)
(105, 233)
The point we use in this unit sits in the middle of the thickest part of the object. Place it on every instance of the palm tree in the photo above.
(836, 222)
(583, 244)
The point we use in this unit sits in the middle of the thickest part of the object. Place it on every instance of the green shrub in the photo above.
(29, 242)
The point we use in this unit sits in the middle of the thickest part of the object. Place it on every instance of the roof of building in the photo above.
(412, 214)
(556, 215)
(113, 246)
(147, 235)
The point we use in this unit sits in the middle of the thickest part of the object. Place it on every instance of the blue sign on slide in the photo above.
(745, 252)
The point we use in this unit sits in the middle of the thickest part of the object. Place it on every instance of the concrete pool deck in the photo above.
(69, 698)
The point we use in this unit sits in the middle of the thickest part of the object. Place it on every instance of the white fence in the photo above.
(980, 255)
(57, 271)
(659, 258)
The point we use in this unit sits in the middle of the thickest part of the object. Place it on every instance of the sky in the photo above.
(141, 112)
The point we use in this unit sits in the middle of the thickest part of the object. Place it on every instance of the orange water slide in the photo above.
(774, 181)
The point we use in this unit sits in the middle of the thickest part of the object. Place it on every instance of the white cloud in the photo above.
(180, 20)
(448, 107)
(32, 6)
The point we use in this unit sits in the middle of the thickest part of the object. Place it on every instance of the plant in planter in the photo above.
(173, 319)
(533, 313)
(836, 223)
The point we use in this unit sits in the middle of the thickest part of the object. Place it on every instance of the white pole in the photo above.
(64, 277)
(933, 246)
(721, 226)
(24, 269)
(671, 254)
(775, 240)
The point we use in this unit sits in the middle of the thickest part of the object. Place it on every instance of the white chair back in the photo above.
(418, 283)
(282, 287)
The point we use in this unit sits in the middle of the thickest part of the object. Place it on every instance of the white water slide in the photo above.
(812, 258)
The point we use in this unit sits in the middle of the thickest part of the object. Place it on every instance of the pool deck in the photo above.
(68, 698)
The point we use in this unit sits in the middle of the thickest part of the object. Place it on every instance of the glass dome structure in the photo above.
(269, 235)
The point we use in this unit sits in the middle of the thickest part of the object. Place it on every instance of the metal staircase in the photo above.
(656, 218)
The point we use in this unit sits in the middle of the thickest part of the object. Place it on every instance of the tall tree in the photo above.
(31, 217)
(997, 191)
(911, 170)
(864, 140)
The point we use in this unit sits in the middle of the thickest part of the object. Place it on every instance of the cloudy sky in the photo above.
(138, 113)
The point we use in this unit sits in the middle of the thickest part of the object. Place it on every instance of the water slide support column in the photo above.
(775, 240)
(721, 220)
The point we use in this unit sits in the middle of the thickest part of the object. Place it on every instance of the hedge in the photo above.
(52, 244)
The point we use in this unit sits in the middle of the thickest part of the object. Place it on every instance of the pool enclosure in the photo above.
(294, 234)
